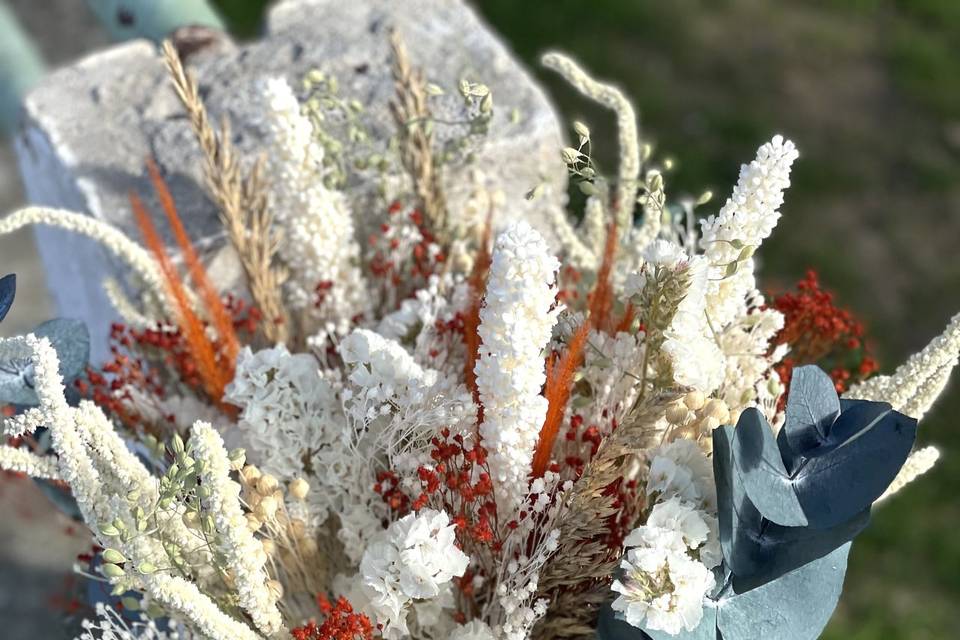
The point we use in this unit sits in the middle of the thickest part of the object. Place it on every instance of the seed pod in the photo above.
(114, 556)
(694, 400)
(299, 488)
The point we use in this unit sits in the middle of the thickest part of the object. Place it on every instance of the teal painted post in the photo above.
(21, 65)
(153, 19)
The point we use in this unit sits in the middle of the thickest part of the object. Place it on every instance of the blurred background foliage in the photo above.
(870, 92)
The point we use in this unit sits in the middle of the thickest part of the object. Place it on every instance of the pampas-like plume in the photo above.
(108, 236)
(629, 170)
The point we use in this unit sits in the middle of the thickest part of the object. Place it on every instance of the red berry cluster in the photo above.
(396, 270)
(129, 368)
(141, 358)
(246, 317)
(819, 332)
(340, 623)
(459, 482)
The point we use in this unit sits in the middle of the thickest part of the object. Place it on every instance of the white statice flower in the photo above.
(383, 370)
(473, 630)
(319, 245)
(413, 560)
(662, 590)
(681, 469)
(515, 325)
(695, 358)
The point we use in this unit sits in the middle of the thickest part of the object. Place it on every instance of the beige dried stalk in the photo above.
(576, 580)
(412, 115)
(242, 200)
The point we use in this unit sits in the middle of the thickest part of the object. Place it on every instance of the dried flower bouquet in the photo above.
(452, 432)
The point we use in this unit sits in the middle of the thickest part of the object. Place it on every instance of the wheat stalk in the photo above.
(412, 115)
(576, 579)
(242, 201)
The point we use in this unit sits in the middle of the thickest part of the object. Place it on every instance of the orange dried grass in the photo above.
(558, 388)
(219, 317)
(215, 362)
(560, 372)
(471, 320)
(600, 300)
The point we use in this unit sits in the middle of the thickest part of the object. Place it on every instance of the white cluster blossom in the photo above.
(662, 589)
(515, 326)
(695, 358)
(413, 560)
(289, 409)
(319, 245)
(473, 630)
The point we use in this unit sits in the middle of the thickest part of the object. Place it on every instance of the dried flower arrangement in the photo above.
(451, 433)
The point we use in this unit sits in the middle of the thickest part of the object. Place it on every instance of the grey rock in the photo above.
(90, 126)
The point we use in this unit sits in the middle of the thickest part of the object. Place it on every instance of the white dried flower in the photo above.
(319, 245)
(242, 553)
(662, 590)
(415, 558)
(918, 463)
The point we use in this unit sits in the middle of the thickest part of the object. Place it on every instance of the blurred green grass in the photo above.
(870, 92)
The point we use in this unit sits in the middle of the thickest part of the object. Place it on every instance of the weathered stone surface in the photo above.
(90, 126)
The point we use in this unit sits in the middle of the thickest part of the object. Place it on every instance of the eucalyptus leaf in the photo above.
(756, 550)
(830, 484)
(812, 407)
(8, 290)
(796, 606)
(759, 466)
(69, 338)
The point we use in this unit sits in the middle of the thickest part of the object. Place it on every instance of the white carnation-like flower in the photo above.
(662, 590)
(414, 559)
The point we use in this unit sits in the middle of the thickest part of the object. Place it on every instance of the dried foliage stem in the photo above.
(629, 170)
(242, 201)
(412, 116)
